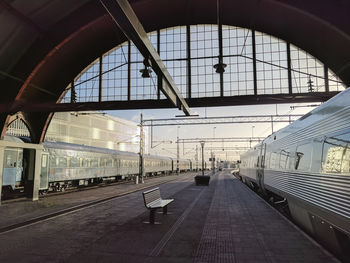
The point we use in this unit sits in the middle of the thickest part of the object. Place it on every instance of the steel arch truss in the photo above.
(260, 69)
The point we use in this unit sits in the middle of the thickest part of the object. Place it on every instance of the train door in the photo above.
(44, 174)
(13, 168)
(260, 167)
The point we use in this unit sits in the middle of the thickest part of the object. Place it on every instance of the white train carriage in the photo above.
(156, 164)
(64, 164)
(308, 163)
(13, 166)
(185, 165)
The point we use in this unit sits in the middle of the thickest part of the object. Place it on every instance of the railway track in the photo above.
(20, 196)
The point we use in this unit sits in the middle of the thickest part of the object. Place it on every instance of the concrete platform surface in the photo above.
(222, 222)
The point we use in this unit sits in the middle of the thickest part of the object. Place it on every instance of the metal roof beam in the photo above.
(124, 16)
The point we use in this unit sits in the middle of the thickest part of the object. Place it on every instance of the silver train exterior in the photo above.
(64, 165)
(308, 164)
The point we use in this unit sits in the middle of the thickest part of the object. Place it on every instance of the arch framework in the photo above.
(45, 44)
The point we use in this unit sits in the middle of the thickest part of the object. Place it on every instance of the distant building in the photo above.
(92, 129)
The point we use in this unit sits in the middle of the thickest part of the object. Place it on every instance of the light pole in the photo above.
(212, 154)
(141, 175)
(202, 144)
(177, 152)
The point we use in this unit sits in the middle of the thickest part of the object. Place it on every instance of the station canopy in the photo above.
(46, 44)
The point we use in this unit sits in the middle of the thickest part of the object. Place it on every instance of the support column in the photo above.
(37, 170)
(202, 144)
(177, 156)
(2, 153)
(212, 162)
(196, 158)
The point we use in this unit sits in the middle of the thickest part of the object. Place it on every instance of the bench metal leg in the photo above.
(165, 210)
(152, 215)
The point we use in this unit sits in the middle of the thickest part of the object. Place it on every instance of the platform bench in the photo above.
(153, 201)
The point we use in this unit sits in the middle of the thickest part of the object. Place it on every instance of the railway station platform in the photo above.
(222, 222)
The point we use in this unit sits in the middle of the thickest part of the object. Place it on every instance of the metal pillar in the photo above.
(2, 153)
(196, 158)
(202, 144)
(177, 155)
(37, 170)
(140, 177)
(212, 163)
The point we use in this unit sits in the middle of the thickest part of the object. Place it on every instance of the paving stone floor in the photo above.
(222, 222)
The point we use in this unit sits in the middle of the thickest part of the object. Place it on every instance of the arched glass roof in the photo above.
(190, 53)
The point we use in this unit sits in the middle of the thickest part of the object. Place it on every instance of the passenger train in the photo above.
(308, 164)
(64, 165)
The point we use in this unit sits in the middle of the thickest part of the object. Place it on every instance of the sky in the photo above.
(163, 135)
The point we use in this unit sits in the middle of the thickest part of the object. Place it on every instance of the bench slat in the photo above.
(160, 203)
(152, 199)
(151, 196)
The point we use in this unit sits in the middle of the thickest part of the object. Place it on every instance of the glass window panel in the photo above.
(303, 157)
(336, 154)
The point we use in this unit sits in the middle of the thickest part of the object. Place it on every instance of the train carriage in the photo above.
(156, 164)
(185, 165)
(64, 165)
(308, 164)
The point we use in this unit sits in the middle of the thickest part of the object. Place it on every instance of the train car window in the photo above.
(84, 162)
(20, 159)
(336, 154)
(10, 159)
(74, 162)
(52, 161)
(61, 162)
(273, 160)
(94, 163)
(267, 159)
(316, 160)
(109, 162)
(284, 159)
(303, 157)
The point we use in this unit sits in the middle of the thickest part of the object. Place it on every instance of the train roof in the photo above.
(325, 110)
(78, 147)
(156, 157)
(11, 138)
